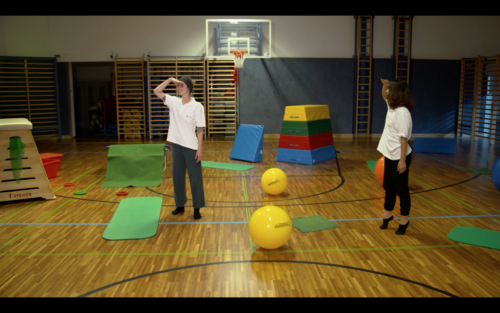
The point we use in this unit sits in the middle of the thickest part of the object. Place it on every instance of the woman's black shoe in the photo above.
(178, 210)
(402, 228)
(386, 222)
(197, 215)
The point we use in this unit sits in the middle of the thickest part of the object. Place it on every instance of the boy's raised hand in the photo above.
(385, 82)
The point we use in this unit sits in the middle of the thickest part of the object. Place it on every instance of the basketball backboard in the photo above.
(224, 35)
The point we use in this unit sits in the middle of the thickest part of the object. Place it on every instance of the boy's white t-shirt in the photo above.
(398, 124)
(184, 118)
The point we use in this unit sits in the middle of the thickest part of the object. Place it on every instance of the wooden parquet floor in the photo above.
(55, 248)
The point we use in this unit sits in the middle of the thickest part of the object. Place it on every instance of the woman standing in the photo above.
(394, 146)
(186, 114)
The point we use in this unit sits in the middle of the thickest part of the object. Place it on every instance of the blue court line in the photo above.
(245, 222)
(450, 164)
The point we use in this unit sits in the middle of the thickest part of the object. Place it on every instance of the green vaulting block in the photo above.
(306, 128)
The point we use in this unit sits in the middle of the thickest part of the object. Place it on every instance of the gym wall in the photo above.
(64, 101)
(3, 48)
(93, 38)
(312, 58)
(435, 86)
(454, 37)
(383, 37)
(269, 85)
(382, 68)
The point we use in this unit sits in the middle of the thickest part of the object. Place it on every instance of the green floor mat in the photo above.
(476, 236)
(134, 165)
(483, 171)
(134, 218)
(226, 166)
(371, 165)
(312, 223)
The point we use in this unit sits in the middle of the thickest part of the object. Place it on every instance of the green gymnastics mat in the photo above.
(371, 165)
(135, 218)
(134, 165)
(226, 166)
(476, 236)
(312, 223)
(483, 171)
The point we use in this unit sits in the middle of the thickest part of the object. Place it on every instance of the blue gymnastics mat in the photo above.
(248, 143)
(435, 145)
(309, 157)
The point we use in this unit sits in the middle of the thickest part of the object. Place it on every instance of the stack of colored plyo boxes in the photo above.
(306, 135)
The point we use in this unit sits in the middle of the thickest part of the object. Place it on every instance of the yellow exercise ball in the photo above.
(274, 181)
(270, 227)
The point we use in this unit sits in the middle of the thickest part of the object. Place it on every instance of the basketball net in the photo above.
(239, 58)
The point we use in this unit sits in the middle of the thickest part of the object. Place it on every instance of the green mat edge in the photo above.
(477, 245)
(222, 164)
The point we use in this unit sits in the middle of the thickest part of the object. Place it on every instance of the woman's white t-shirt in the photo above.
(184, 118)
(397, 124)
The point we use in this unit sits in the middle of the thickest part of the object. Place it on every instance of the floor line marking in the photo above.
(440, 208)
(15, 213)
(55, 190)
(450, 164)
(94, 183)
(245, 222)
(233, 252)
(15, 237)
(247, 209)
(451, 197)
(53, 211)
(43, 217)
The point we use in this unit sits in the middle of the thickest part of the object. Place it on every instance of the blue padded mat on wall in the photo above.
(435, 145)
(248, 143)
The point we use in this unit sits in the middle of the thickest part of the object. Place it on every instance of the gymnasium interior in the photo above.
(86, 193)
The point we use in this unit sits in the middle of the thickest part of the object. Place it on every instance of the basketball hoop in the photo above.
(239, 58)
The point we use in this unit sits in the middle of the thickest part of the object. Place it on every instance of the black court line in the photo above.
(331, 202)
(314, 195)
(268, 261)
(340, 185)
(303, 204)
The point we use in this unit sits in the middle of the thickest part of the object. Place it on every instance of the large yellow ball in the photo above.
(274, 181)
(270, 227)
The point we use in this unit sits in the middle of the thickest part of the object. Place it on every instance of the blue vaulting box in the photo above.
(309, 157)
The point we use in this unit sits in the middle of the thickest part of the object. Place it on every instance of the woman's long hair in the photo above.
(400, 95)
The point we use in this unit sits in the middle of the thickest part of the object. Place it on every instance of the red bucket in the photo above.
(52, 156)
(50, 167)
